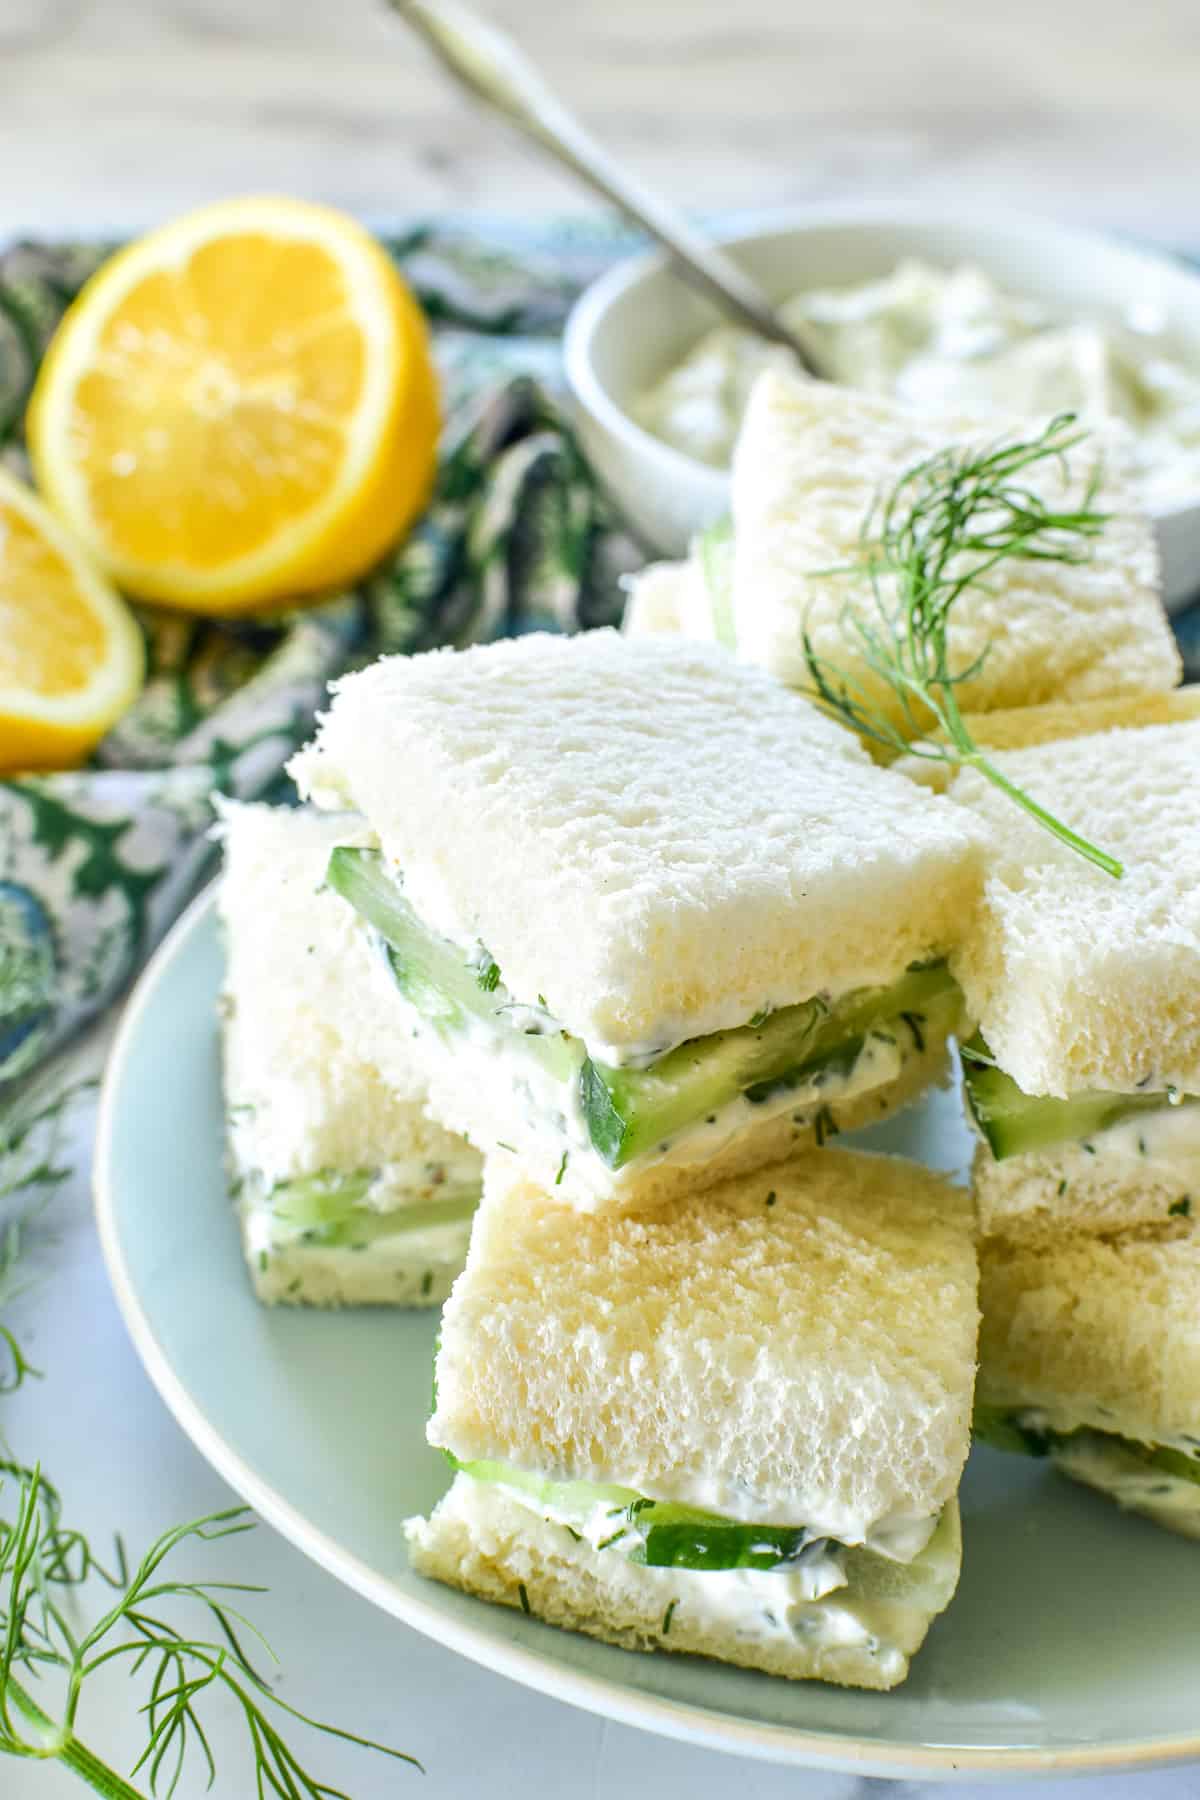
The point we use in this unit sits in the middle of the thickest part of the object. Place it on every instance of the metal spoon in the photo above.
(489, 65)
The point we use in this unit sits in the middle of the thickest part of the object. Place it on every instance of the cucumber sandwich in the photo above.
(346, 1192)
(1085, 1089)
(813, 460)
(733, 1424)
(653, 920)
(1089, 1355)
(1085, 1081)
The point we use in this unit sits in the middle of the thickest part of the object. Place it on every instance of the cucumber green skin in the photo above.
(669, 1536)
(631, 1111)
(430, 971)
(716, 562)
(328, 1209)
(1014, 1122)
(1004, 1431)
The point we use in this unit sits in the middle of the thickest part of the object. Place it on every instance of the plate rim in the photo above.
(692, 1724)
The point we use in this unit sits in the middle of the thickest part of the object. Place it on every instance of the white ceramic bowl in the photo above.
(630, 326)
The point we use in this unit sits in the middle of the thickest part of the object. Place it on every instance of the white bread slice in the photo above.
(669, 599)
(1043, 1193)
(794, 1347)
(316, 1075)
(317, 1078)
(1078, 980)
(811, 459)
(657, 840)
(1095, 1331)
(1027, 725)
(481, 1540)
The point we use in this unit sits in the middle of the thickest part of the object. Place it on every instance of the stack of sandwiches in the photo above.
(660, 931)
(1084, 1084)
(347, 1193)
(623, 932)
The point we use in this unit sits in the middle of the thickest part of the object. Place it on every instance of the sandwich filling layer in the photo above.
(1162, 1480)
(667, 1533)
(409, 1224)
(758, 1585)
(1120, 1128)
(680, 1103)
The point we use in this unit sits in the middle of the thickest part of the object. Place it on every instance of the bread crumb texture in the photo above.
(1099, 1331)
(668, 599)
(1068, 1187)
(1079, 980)
(319, 1072)
(658, 840)
(811, 461)
(809, 1357)
(1049, 724)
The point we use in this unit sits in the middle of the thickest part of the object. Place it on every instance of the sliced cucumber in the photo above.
(1166, 1458)
(1003, 1430)
(1013, 1121)
(654, 1533)
(1008, 1430)
(327, 1209)
(631, 1111)
(628, 1111)
(432, 973)
(700, 1543)
(715, 546)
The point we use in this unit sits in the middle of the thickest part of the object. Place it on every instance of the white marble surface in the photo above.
(116, 112)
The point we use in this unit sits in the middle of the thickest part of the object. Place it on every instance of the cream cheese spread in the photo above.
(953, 340)
(549, 1112)
(1170, 1500)
(1168, 1136)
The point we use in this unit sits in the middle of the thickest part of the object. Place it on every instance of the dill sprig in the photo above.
(40, 1558)
(48, 1569)
(948, 522)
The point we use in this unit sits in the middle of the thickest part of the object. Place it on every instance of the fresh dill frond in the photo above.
(487, 972)
(825, 1126)
(15, 1366)
(946, 525)
(39, 1638)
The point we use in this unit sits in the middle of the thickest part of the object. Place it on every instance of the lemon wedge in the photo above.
(71, 653)
(239, 408)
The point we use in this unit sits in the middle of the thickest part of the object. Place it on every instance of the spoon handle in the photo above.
(489, 65)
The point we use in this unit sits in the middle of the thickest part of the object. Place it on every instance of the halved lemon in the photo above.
(71, 653)
(239, 408)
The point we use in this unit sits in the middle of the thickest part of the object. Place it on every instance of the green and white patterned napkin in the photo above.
(95, 864)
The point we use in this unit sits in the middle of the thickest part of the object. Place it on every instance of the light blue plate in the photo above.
(1073, 1642)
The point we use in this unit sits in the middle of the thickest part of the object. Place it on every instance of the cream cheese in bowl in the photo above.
(954, 338)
